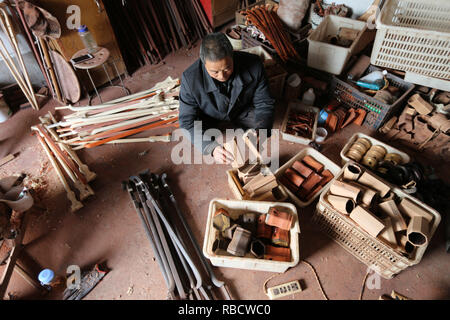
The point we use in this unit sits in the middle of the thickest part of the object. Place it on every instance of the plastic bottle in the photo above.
(374, 77)
(87, 38)
(309, 97)
(48, 280)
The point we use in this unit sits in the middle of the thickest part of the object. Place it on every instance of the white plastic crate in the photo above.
(235, 208)
(328, 57)
(300, 107)
(414, 36)
(371, 251)
(328, 164)
(374, 142)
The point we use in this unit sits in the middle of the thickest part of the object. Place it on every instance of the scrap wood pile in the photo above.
(423, 125)
(115, 121)
(146, 31)
(265, 18)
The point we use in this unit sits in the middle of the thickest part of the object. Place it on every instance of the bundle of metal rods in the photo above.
(166, 228)
(147, 31)
(265, 18)
(65, 162)
(114, 121)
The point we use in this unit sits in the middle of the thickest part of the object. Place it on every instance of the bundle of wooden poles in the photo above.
(147, 31)
(265, 18)
(66, 163)
(117, 120)
(18, 69)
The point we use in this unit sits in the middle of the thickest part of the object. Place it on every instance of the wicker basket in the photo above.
(371, 251)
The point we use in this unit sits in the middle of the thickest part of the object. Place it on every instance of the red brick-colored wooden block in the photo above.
(280, 219)
(327, 177)
(263, 230)
(277, 253)
(309, 185)
(303, 170)
(294, 177)
(280, 237)
(313, 163)
(288, 184)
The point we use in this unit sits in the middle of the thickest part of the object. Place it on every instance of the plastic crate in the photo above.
(377, 111)
(235, 208)
(414, 36)
(328, 57)
(293, 106)
(328, 164)
(375, 142)
(370, 250)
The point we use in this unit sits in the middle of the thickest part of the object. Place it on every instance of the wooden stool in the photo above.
(100, 59)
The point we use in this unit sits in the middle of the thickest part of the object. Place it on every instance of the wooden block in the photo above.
(348, 33)
(359, 67)
(367, 221)
(277, 254)
(327, 177)
(303, 170)
(360, 116)
(420, 104)
(332, 122)
(373, 182)
(279, 219)
(313, 180)
(388, 233)
(294, 177)
(351, 115)
(232, 147)
(288, 184)
(313, 163)
(411, 209)
(390, 209)
(280, 237)
(418, 231)
(310, 195)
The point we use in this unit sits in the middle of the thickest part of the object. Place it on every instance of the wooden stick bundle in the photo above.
(19, 73)
(88, 127)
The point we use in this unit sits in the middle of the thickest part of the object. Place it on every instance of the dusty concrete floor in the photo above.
(108, 228)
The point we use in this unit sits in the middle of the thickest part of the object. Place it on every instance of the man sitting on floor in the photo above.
(224, 86)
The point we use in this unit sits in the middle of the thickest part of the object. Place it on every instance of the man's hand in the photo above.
(222, 156)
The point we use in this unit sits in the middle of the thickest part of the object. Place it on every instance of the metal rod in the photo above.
(208, 269)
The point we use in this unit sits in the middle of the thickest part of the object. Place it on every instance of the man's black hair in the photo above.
(215, 47)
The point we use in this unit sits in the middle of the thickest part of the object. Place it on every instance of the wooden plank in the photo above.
(7, 159)
(68, 80)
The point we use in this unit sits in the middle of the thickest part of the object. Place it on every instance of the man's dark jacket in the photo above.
(199, 96)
